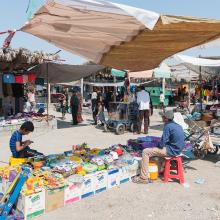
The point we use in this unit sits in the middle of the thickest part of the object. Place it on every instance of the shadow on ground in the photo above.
(212, 158)
(157, 127)
(65, 124)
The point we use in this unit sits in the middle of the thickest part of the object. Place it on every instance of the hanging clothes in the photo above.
(39, 81)
(7, 89)
(18, 90)
(208, 93)
(18, 79)
(25, 79)
(8, 78)
(31, 77)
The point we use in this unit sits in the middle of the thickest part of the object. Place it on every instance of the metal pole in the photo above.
(115, 89)
(81, 86)
(200, 81)
(163, 85)
(48, 93)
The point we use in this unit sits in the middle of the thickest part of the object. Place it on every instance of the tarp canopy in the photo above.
(207, 66)
(117, 73)
(61, 73)
(181, 72)
(117, 35)
(163, 71)
(148, 74)
(197, 61)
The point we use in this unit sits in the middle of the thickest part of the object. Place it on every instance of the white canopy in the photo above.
(163, 71)
(148, 74)
(182, 72)
(118, 36)
(147, 18)
(197, 61)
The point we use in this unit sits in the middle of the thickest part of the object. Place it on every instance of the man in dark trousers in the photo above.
(74, 104)
(171, 144)
(143, 101)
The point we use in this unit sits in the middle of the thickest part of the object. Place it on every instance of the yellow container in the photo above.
(16, 161)
(153, 170)
(76, 159)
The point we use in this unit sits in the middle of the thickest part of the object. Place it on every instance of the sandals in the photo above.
(139, 180)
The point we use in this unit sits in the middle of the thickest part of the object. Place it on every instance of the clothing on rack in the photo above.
(8, 78)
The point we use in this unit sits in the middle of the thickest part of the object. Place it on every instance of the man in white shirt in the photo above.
(143, 100)
(162, 99)
(94, 105)
(94, 95)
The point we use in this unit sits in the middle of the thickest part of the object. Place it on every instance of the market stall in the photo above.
(15, 85)
(59, 180)
(206, 112)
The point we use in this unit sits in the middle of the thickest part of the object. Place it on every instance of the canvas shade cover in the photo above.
(118, 36)
(197, 61)
(148, 74)
(62, 73)
(180, 72)
(117, 73)
(207, 66)
(163, 71)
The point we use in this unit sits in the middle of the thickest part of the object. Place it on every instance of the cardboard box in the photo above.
(54, 199)
(124, 176)
(134, 169)
(100, 181)
(88, 186)
(72, 193)
(5, 185)
(113, 178)
(32, 206)
(1, 186)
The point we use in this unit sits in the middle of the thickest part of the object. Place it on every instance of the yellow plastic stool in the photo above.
(16, 161)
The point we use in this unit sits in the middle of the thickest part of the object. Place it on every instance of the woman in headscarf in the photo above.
(79, 112)
(74, 104)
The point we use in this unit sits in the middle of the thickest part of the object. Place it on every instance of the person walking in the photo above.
(79, 112)
(94, 106)
(143, 101)
(62, 106)
(162, 99)
(31, 99)
(74, 104)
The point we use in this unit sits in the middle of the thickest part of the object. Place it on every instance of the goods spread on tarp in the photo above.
(64, 178)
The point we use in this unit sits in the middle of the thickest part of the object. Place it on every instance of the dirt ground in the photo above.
(130, 201)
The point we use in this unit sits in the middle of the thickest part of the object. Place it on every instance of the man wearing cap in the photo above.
(171, 144)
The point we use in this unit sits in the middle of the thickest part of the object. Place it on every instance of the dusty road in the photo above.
(154, 201)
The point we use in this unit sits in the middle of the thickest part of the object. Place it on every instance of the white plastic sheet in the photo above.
(197, 61)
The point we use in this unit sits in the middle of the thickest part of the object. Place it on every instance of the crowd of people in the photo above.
(72, 104)
(136, 95)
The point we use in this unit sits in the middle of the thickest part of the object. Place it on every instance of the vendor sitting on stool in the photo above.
(171, 144)
(18, 148)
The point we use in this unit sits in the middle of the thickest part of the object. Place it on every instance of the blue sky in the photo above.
(13, 16)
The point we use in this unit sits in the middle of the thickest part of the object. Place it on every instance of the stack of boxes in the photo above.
(48, 200)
